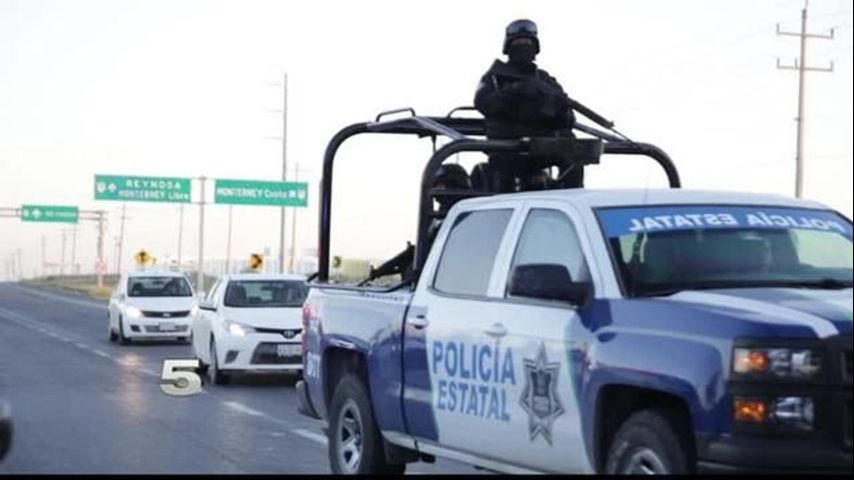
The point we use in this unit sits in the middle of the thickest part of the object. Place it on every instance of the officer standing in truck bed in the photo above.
(517, 99)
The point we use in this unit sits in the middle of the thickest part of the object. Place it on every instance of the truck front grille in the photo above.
(849, 424)
(846, 366)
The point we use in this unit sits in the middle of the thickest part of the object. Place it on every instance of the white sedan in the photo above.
(151, 305)
(250, 322)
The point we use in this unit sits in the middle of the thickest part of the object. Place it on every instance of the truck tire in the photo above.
(355, 442)
(648, 443)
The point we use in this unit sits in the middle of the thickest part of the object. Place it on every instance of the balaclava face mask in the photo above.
(522, 55)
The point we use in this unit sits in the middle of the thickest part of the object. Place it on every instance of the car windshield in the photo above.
(265, 293)
(159, 287)
(664, 250)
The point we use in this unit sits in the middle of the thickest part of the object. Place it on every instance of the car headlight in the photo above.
(194, 311)
(776, 364)
(133, 312)
(237, 329)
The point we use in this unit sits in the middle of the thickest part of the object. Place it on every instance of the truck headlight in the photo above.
(790, 412)
(776, 363)
(133, 312)
(237, 329)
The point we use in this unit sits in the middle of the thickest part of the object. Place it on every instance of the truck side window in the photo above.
(469, 252)
(548, 236)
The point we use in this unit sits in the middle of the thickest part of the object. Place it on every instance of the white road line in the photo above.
(244, 409)
(239, 407)
(29, 323)
(315, 437)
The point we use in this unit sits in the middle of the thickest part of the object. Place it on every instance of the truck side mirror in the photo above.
(548, 282)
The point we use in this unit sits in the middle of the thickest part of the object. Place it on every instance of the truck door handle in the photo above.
(418, 321)
(496, 330)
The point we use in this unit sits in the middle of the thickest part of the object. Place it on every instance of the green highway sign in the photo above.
(252, 192)
(49, 213)
(142, 189)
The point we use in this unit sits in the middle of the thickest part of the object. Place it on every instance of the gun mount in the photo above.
(465, 135)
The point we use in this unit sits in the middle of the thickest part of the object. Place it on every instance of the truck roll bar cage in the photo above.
(460, 131)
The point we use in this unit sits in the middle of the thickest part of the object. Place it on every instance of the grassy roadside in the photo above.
(86, 285)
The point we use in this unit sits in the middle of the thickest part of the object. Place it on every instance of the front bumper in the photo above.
(154, 327)
(773, 455)
(258, 352)
(305, 407)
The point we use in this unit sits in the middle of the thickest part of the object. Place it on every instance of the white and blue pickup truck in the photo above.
(597, 331)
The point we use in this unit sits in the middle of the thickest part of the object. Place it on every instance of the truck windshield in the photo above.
(158, 287)
(663, 250)
(265, 293)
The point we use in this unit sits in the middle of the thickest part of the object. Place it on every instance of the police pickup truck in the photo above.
(590, 331)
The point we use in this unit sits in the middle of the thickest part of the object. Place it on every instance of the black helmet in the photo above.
(521, 28)
(453, 175)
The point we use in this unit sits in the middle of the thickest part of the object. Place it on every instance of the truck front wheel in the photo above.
(648, 443)
(355, 442)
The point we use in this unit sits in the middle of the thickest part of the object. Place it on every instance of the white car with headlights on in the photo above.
(151, 305)
(250, 322)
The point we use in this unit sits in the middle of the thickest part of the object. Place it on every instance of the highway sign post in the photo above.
(142, 189)
(253, 192)
(49, 213)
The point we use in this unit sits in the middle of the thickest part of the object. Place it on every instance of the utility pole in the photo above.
(102, 265)
(284, 170)
(121, 239)
(20, 265)
(44, 256)
(74, 249)
(293, 227)
(62, 257)
(801, 66)
(180, 233)
(200, 274)
(228, 248)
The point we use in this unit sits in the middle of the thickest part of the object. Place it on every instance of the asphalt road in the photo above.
(82, 404)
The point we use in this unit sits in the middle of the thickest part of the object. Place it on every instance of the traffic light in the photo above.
(256, 262)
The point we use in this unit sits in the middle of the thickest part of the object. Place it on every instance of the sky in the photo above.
(190, 88)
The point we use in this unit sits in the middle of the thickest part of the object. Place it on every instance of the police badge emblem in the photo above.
(539, 397)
